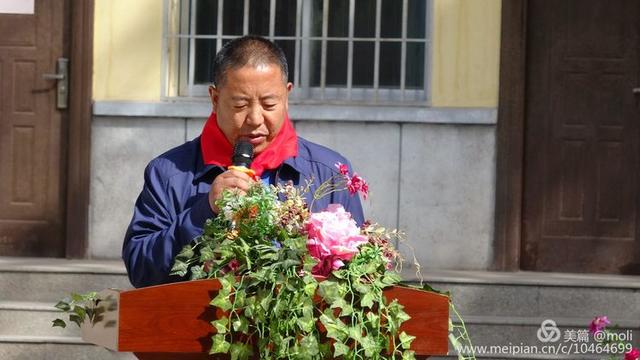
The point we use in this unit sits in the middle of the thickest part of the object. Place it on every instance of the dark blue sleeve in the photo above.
(157, 232)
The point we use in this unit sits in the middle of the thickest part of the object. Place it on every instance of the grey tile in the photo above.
(373, 149)
(194, 128)
(447, 194)
(120, 150)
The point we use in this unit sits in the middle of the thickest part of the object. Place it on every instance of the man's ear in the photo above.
(289, 87)
(214, 95)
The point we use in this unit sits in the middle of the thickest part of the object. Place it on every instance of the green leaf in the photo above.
(63, 306)
(220, 325)
(310, 288)
(59, 322)
(180, 268)
(310, 345)
(220, 345)
(367, 300)
(405, 340)
(221, 301)
(80, 311)
(409, 355)
(306, 323)
(241, 324)
(336, 329)
(240, 351)
(339, 349)
(197, 272)
(186, 252)
(391, 278)
(76, 319)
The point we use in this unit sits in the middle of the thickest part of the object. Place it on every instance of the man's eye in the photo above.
(269, 106)
(240, 106)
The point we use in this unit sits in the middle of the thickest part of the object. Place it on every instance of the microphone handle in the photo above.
(245, 170)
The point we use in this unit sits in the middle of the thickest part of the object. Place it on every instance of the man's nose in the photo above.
(254, 117)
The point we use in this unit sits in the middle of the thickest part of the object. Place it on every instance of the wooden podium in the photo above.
(172, 321)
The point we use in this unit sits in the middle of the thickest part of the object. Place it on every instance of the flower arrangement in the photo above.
(609, 341)
(296, 284)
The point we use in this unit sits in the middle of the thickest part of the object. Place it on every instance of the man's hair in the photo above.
(248, 50)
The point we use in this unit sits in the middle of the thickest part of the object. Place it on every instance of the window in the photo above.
(353, 51)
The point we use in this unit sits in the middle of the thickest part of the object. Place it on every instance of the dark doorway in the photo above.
(581, 137)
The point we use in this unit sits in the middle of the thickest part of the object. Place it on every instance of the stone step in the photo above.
(543, 295)
(49, 280)
(33, 319)
(54, 348)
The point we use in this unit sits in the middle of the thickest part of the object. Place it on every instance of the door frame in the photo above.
(510, 136)
(79, 29)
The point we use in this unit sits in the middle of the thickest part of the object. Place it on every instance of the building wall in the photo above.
(431, 170)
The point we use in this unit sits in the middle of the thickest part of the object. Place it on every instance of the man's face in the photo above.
(251, 104)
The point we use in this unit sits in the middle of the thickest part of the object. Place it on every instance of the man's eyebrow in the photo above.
(269, 97)
(240, 98)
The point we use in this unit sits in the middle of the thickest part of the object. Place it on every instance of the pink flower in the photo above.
(598, 324)
(633, 354)
(357, 183)
(342, 168)
(333, 238)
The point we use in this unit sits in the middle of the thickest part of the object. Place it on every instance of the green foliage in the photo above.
(256, 247)
(79, 307)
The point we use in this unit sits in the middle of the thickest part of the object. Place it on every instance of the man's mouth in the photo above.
(254, 139)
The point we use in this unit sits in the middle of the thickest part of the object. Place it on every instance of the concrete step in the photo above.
(54, 348)
(49, 280)
(33, 319)
(500, 309)
(541, 295)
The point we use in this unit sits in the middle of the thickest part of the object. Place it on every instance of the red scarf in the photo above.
(217, 150)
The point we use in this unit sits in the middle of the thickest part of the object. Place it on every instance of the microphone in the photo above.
(242, 158)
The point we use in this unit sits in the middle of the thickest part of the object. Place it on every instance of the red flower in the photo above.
(598, 324)
(342, 168)
(357, 184)
(634, 354)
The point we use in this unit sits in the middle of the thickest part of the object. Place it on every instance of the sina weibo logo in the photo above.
(548, 331)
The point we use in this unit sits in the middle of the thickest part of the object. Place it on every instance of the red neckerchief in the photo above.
(217, 150)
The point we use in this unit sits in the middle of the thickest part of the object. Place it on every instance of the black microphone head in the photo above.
(242, 154)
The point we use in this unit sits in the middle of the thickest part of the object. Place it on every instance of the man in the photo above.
(181, 186)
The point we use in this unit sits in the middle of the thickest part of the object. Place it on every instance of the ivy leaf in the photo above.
(409, 355)
(220, 345)
(339, 349)
(63, 306)
(367, 300)
(336, 329)
(405, 340)
(221, 301)
(310, 345)
(391, 278)
(180, 268)
(76, 319)
(220, 325)
(240, 351)
(59, 322)
(306, 323)
(360, 287)
(197, 272)
(241, 324)
(80, 311)
(310, 288)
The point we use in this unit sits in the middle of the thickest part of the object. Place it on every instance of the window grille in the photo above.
(339, 51)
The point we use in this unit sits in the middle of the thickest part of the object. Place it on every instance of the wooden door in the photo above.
(31, 133)
(581, 179)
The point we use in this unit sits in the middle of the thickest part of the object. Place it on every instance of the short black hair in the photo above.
(248, 50)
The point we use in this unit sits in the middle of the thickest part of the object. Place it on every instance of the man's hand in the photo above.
(230, 179)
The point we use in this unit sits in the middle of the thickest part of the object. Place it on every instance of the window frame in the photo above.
(178, 61)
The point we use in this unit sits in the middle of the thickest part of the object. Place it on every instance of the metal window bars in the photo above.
(181, 44)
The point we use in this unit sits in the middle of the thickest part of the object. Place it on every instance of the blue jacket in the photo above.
(173, 205)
